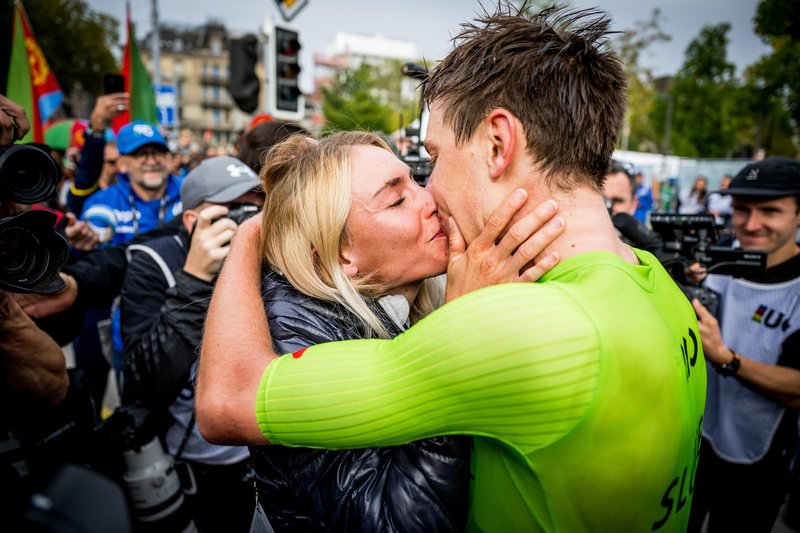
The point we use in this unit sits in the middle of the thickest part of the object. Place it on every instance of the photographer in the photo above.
(753, 353)
(619, 189)
(164, 300)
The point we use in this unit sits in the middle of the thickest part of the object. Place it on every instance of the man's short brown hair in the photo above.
(554, 71)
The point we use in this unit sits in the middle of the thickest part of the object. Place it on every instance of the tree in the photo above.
(76, 41)
(368, 97)
(639, 132)
(702, 97)
(777, 76)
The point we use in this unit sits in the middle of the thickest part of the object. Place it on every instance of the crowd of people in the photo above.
(501, 350)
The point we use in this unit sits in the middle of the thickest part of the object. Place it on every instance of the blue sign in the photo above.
(166, 105)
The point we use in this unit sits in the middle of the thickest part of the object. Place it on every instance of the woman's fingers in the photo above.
(535, 245)
(498, 221)
(541, 267)
(527, 227)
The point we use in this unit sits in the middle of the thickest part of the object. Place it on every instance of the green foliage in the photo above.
(778, 74)
(368, 97)
(639, 132)
(701, 93)
(76, 41)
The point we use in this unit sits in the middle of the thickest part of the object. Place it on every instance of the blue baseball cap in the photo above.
(137, 134)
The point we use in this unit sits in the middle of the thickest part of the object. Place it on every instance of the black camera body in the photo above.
(688, 239)
(31, 251)
(241, 212)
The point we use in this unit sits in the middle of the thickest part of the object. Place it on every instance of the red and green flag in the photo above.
(137, 84)
(31, 83)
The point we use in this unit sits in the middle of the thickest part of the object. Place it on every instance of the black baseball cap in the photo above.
(773, 177)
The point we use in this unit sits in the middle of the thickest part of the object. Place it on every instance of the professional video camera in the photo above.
(416, 157)
(31, 252)
(688, 239)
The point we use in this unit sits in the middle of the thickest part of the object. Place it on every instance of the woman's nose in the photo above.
(427, 202)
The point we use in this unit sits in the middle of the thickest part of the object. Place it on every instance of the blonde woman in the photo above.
(351, 247)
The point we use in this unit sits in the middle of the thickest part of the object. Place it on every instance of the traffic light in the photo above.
(288, 99)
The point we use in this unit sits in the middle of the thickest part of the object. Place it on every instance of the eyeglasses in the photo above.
(142, 155)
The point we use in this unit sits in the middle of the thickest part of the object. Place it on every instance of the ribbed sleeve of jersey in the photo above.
(515, 362)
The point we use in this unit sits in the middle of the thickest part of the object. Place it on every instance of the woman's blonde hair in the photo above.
(309, 196)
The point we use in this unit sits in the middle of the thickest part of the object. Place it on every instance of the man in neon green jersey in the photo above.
(584, 392)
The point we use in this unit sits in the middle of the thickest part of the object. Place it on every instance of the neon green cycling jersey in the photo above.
(585, 393)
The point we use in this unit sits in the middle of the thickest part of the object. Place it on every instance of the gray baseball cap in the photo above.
(218, 180)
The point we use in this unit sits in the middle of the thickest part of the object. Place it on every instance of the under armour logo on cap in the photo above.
(753, 174)
(237, 170)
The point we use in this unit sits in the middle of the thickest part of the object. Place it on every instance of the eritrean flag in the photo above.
(137, 83)
(31, 83)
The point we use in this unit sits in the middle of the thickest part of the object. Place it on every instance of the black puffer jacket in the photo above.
(423, 486)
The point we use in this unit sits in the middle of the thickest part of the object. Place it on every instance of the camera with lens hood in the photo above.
(688, 239)
(31, 251)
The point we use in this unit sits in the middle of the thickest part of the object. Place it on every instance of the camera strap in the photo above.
(162, 212)
(186, 434)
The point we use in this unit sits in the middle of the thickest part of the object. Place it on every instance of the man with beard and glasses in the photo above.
(144, 197)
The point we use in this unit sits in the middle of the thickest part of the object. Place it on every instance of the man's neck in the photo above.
(588, 226)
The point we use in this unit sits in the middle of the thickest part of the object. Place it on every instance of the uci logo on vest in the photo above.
(766, 316)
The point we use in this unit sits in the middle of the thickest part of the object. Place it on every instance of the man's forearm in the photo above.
(31, 363)
(778, 382)
(236, 347)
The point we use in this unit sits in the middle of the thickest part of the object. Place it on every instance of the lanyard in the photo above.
(162, 211)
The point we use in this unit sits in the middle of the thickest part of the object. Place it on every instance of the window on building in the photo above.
(215, 93)
(216, 117)
(215, 71)
(205, 68)
(216, 47)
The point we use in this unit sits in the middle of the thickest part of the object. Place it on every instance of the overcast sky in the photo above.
(431, 23)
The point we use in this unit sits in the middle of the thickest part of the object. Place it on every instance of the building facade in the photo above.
(195, 60)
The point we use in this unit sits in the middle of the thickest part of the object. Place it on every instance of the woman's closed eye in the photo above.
(398, 202)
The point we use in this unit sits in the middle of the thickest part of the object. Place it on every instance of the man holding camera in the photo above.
(163, 303)
(753, 355)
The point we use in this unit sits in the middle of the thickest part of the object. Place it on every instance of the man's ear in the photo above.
(501, 133)
(347, 259)
(189, 217)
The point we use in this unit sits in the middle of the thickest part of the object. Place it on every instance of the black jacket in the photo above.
(422, 486)
(159, 353)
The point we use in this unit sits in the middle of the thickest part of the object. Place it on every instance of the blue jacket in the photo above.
(112, 208)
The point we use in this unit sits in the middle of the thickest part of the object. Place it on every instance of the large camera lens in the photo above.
(22, 256)
(28, 174)
(31, 253)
